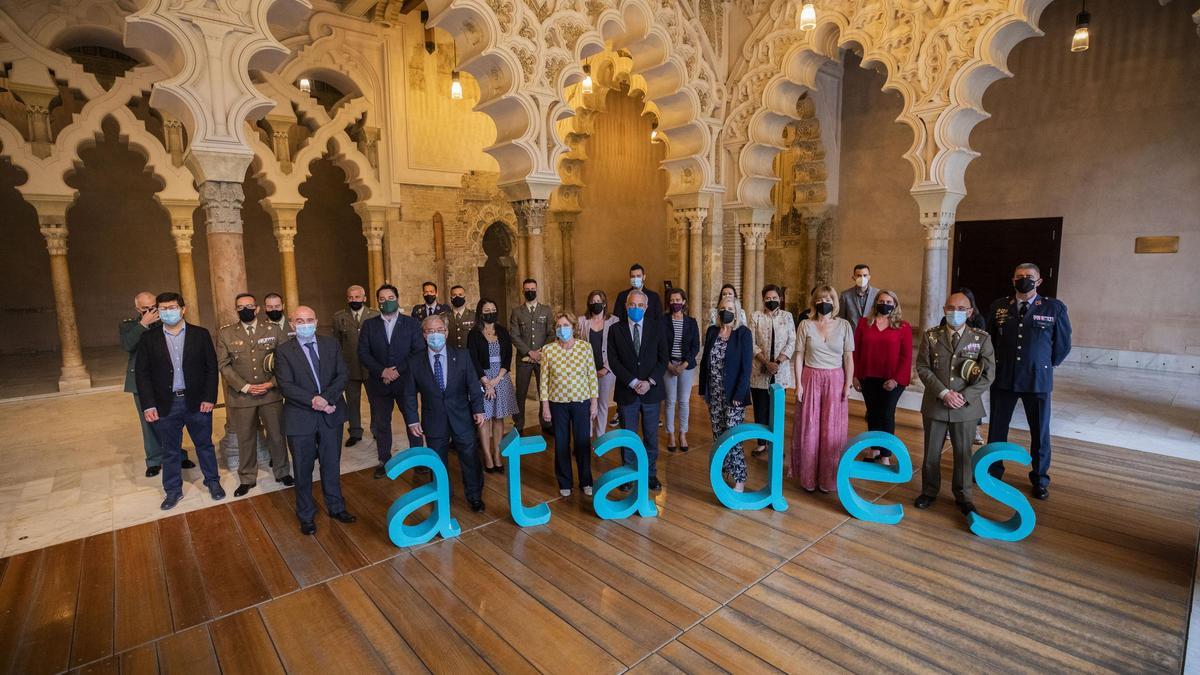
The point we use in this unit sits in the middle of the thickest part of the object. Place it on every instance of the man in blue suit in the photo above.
(312, 376)
(451, 403)
(384, 345)
(1032, 336)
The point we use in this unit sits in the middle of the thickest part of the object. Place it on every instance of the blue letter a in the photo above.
(436, 492)
(512, 448)
(849, 467)
(772, 494)
(637, 501)
(1021, 524)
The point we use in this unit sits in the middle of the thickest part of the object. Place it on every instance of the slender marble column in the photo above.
(52, 221)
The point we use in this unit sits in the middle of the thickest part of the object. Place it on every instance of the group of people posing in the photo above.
(450, 371)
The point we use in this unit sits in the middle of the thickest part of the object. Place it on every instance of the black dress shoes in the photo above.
(966, 508)
(243, 489)
(352, 442)
(287, 481)
(654, 484)
(380, 472)
(308, 528)
(670, 448)
(152, 471)
(343, 517)
(923, 501)
(1040, 492)
(170, 502)
(683, 448)
(216, 492)
(476, 504)
(187, 464)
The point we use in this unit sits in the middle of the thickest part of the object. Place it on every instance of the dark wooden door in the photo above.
(986, 251)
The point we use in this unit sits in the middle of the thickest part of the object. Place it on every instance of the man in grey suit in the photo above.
(531, 328)
(312, 375)
(956, 363)
(346, 325)
(857, 300)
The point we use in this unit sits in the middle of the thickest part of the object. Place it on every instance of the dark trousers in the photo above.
(881, 407)
(381, 423)
(961, 435)
(468, 460)
(649, 416)
(353, 398)
(1037, 413)
(149, 438)
(761, 401)
(525, 373)
(169, 429)
(572, 421)
(324, 445)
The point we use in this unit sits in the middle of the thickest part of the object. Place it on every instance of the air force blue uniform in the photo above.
(1029, 345)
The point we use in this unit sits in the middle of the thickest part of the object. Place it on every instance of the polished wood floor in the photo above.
(1103, 584)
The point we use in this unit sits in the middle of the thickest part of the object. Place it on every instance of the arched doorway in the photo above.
(498, 276)
(330, 252)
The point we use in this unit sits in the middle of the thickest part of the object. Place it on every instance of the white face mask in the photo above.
(862, 282)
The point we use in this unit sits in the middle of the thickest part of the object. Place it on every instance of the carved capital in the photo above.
(754, 235)
(692, 219)
(55, 232)
(285, 236)
(531, 215)
(222, 203)
(183, 237)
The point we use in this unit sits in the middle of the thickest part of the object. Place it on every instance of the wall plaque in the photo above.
(1162, 244)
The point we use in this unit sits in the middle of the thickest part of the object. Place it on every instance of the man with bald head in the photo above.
(131, 331)
(311, 373)
(346, 325)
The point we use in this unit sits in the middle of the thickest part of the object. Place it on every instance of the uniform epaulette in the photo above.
(128, 320)
(228, 325)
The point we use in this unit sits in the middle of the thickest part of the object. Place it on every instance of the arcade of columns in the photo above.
(218, 71)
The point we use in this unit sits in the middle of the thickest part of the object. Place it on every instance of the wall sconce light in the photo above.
(587, 79)
(455, 87)
(1081, 39)
(305, 85)
(654, 131)
(808, 16)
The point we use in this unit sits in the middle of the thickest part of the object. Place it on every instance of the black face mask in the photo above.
(596, 308)
(430, 299)
(489, 317)
(824, 308)
(246, 314)
(677, 307)
(1024, 284)
(530, 296)
(726, 316)
(771, 305)
(884, 309)
(356, 304)
(458, 301)
(274, 314)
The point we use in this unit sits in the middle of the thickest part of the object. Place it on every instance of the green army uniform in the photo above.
(346, 326)
(245, 355)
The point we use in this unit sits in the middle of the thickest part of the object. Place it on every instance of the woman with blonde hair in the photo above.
(824, 366)
(568, 390)
(725, 380)
(882, 364)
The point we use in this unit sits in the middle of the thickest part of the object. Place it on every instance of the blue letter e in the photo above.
(850, 467)
(436, 492)
(770, 495)
(512, 447)
(1021, 524)
(637, 501)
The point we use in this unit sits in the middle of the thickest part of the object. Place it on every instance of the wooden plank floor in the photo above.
(1103, 584)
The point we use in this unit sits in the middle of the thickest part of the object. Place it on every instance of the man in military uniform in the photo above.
(131, 331)
(1032, 335)
(530, 327)
(953, 399)
(429, 292)
(346, 325)
(245, 355)
(460, 320)
(273, 306)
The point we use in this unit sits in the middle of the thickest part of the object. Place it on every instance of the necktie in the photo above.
(637, 338)
(438, 375)
(954, 340)
(1024, 308)
(316, 363)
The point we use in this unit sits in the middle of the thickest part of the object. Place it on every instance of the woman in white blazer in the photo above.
(593, 326)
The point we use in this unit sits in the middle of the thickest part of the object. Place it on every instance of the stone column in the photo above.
(811, 224)
(694, 219)
(182, 230)
(825, 251)
(374, 226)
(283, 219)
(749, 257)
(532, 215)
(52, 221)
(937, 209)
(522, 252)
(566, 227)
(222, 204)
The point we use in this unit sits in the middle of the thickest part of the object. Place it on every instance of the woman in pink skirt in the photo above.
(824, 372)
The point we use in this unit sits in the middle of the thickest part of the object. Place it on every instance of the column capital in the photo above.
(222, 202)
(55, 233)
(531, 214)
(937, 213)
(755, 234)
(285, 235)
(693, 217)
(183, 237)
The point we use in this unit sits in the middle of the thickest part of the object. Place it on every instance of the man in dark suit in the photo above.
(176, 374)
(384, 345)
(637, 282)
(638, 353)
(429, 291)
(312, 376)
(451, 403)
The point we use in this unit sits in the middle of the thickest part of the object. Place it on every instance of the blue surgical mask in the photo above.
(306, 330)
(956, 318)
(564, 333)
(636, 282)
(636, 313)
(171, 317)
(436, 341)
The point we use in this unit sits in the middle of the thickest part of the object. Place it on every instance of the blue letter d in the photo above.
(772, 494)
